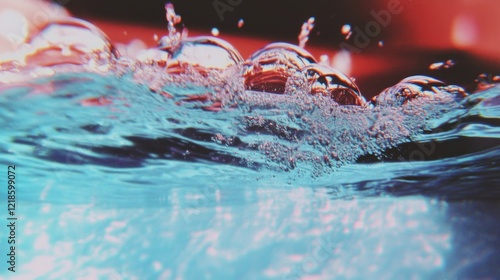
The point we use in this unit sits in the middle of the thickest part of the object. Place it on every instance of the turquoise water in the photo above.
(115, 181)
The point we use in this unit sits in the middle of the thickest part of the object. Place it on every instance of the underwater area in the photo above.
(191, 160)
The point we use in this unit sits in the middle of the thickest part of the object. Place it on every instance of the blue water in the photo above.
(145, 186)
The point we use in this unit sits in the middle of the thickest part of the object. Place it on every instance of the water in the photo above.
(192, 164)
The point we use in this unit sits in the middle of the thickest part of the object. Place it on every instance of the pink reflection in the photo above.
(464, 31)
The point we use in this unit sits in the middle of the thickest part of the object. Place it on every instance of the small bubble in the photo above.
(380, 43)
(240, 23)
(215, 32)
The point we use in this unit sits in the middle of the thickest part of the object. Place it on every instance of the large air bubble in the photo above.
(269, 68)
(416, 87)
(203, 53)
(328, 81)
(71, 41)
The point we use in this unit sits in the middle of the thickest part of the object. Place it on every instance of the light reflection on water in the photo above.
(412, 237)
(96, 203)
(266, 238)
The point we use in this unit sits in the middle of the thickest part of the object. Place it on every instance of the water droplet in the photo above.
(172, 18)
(346, 29)
(215, 32)
(203, 53)
(442, 65)
(240, 23)
(436, 65)
(71, 41)
(153, 57)
(328, 81)
(269, 68)
(173, 39)
(305, 31)
(415, 87)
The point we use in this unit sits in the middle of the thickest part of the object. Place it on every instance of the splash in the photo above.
(285, 105)
(306, 29)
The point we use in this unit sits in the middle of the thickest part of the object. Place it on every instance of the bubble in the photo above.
(436, 65)
(416, 87)
(328, 81)
(240, 23)
(71, 41)
(269, 68)
(380, 43)
(215, 32)
(203, 53)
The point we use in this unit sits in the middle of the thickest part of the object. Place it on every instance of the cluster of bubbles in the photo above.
(76, 42)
